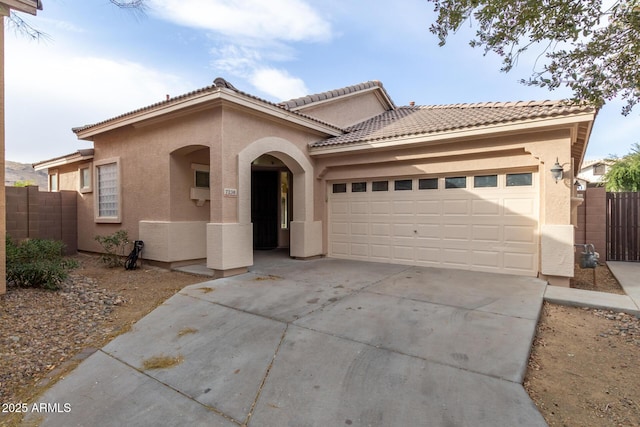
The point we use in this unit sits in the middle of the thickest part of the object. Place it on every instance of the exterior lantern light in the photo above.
(557, 171)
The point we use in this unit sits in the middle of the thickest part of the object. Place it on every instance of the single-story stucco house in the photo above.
(217, 173)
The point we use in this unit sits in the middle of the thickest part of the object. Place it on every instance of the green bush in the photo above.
(114, 246)
(37, 263)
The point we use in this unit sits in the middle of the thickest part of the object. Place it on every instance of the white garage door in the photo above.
(484, 223)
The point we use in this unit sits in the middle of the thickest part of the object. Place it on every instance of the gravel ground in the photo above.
(45, 334)
(41, 329)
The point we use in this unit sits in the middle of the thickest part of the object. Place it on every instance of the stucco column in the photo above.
(3, 208)
(229, 240)
(556, 229)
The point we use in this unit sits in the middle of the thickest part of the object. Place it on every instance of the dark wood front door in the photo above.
(264, 208)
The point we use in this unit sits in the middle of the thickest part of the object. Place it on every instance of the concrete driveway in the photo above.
(318, 343)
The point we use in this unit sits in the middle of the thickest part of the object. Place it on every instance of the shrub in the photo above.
(37, 263)
(114, 246)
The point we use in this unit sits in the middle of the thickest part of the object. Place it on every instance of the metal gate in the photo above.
(623, 226)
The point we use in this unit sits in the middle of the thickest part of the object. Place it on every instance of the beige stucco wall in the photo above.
(156, 178)
(348, 110)
(154, 182)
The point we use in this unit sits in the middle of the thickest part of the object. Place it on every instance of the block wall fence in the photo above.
(34, 214)
(592, 221)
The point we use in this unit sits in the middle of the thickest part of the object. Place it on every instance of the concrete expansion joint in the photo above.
(143, 372)
(266, 376)
(412, 356)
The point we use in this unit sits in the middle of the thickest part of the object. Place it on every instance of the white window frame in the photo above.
(96, 167)
(54, 178)
(88, 186)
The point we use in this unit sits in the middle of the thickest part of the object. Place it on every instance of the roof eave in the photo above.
(379, 91)
(203, 101)
(79, 156)
(457, 134)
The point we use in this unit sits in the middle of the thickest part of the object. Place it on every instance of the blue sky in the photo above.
(100, 61)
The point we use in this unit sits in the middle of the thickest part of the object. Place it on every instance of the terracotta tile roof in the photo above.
(310, 99)
(424, 120)
(217, 85)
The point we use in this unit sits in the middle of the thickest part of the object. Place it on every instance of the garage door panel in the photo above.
(432, 231)
(339, 207)
(340, 228)
(360, 249)
(428, 255)
(403, 253)
(455, 207)
(455, 257)
(380, 207)
(359, 208)
(380, 251)
(519, 234)
(456, 232)
(486, 207)
(525, 207)
(340, 248)
(359, 229)
(380, 229)
(428, 207)
(519, 263)
(486, 229)
(491, 259)
(404, 230)
(486, 233)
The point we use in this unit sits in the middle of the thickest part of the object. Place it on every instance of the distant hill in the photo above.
(15, 171)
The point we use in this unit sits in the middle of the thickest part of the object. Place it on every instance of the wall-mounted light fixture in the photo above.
(557, 171)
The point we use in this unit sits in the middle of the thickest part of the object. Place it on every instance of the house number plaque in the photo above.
(230, 192)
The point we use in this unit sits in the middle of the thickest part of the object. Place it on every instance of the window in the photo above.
(485, 181)
(339, 188)
(519, 179)
(85, 179)
(200, 175)
(428, 184)
(358, 187)
(108, 191)
(380, 186)
(598, 169)
(284, 200)
(455, 182)
(202, 179)
(403, 184)
(53, 181)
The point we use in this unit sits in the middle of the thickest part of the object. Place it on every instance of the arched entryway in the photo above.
(305, 234)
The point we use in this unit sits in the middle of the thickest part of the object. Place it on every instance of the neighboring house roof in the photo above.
(305, 101)
(588, 163)
(80, 155)
(28, 6)
(436, 119)
(220, 89)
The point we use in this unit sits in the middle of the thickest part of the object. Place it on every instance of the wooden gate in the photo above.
(623, 226)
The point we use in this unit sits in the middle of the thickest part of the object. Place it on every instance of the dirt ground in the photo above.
(583, 370)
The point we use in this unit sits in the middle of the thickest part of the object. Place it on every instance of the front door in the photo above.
(265, 186)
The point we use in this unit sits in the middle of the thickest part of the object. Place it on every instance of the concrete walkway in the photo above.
(627, 274)
(317, 343)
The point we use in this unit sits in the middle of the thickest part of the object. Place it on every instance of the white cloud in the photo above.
(51, 89)
(261, 32)
(236, 60)
(278, 83)
(287, 20)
